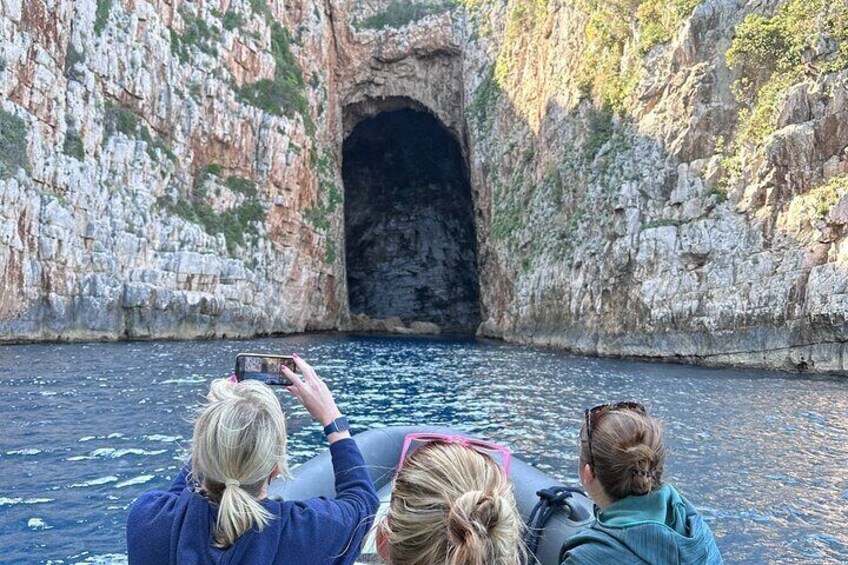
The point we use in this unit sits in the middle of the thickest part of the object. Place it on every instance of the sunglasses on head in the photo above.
(489, 448)
(592, 417)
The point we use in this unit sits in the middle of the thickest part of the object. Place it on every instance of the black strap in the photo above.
(550, 500)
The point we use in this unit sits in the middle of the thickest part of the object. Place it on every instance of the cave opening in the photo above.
(410, 245)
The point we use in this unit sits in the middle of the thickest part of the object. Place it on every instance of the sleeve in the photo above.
(149, 522)
(337, 527)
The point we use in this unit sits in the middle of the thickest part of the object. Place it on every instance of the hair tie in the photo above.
(232, 483)
(640, 472)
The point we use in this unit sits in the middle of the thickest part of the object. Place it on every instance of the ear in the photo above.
(275, 472)
(587, 477)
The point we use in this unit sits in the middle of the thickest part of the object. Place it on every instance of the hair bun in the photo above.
(642, 462)
(473, 514)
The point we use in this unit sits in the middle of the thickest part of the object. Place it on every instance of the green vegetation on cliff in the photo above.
(327, 200)
(330, 252)
(611, 67)
(662, 223)
(242, 186)
(101, 15)
(402, 12)
(238, 184)
(260, 8)
(72, 57)
(617, 34)
(825, 197)
(509, 214)
(231, 20)
(521, 20)
(196, 34)
(13, 145)
(73, 146)
(599, 131)
(804, 38)
(284, 94)
(659, 20)
(233, 223)
(329, 195)
(118, 119)
(485, 97)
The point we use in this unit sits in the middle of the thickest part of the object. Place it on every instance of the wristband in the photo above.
(340, 424)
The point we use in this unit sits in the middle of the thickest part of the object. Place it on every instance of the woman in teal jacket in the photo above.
(638, 518)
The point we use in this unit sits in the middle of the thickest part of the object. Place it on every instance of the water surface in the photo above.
(87, 427)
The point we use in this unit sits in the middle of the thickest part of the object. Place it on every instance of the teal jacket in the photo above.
(660, 528)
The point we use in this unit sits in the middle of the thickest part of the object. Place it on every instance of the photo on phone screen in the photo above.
(264, 367)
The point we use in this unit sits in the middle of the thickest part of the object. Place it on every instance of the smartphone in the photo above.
(264, 367)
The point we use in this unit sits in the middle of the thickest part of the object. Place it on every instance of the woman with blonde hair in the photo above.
(452, 504)
(639, 519)
(217, 510)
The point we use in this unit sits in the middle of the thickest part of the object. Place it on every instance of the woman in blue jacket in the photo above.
(638, 518)
(217, 510)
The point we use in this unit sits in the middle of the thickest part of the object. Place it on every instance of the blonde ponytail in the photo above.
(239, 437)
(452, 505)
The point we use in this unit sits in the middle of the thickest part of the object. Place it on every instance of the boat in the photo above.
(567, 511)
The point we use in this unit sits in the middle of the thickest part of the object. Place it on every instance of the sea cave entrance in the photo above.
(409, 222)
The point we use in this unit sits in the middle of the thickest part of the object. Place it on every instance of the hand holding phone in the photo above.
(315, 396)
(264, 367)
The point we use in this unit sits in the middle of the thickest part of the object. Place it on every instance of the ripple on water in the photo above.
(113, 453)
(96, 482)
(139, 480)
(185, 381)
(86, 558)
(163, 438)
(5, 501)
(27, 451)
(37, 525)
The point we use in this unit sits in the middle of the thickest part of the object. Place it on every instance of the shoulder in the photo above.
(148, 500)
(595, 546)
(319, 508)
(155, 507)
(326, 518)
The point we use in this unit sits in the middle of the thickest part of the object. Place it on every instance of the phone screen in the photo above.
(265, 368)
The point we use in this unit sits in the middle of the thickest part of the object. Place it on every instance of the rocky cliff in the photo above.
(646, 179)
(664, 180)
(168, 170)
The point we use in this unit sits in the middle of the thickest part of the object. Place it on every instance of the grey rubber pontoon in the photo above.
(381, 449)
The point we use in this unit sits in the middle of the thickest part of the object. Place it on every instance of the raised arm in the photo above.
(341, 523)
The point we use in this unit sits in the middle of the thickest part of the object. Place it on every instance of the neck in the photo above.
(599, 496)
(603, 501)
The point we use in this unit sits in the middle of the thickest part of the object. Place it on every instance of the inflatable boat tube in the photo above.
(381, 449)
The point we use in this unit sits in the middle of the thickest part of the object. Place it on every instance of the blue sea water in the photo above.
(87, 427)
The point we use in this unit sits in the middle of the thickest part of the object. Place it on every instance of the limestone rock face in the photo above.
(156, 200)
(663, 228)
(173, 169)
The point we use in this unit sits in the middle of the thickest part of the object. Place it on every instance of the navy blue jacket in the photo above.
(177, 526)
